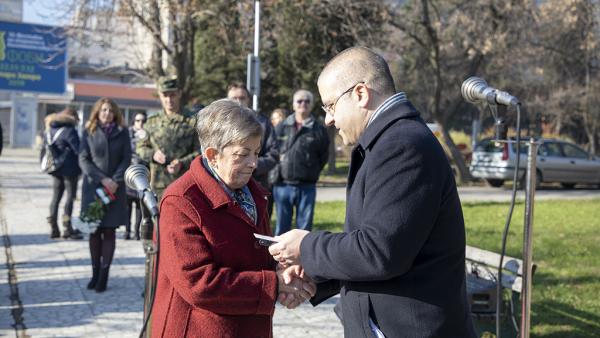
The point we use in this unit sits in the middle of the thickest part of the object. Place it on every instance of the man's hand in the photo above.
(294, 287)
(287, 250)
(159, 157)
(110, 185)
(174, 167)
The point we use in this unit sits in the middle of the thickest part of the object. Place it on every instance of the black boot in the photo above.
(69, 232)
(54, 232)
(92, 284)
(102, 279)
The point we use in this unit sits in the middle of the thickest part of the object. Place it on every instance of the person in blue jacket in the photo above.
(64, 125)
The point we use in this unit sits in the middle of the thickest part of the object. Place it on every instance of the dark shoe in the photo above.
(137, 237)
(69, 232)
(127, 236)
(92, 284)
(54, 232)
(102, 279)
(72, 234)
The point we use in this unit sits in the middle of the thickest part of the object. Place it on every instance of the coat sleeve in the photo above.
(73, 140)
(186, 260)
(400, 206)
(324, 153)
(144, 147)
(193, 153)
(119, 174)
(270, 156)
(86, 163)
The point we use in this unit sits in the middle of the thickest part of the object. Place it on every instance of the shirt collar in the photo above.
(388, 104)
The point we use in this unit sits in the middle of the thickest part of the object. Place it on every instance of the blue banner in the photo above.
(33, 58)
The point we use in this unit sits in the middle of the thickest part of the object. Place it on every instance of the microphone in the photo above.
(136, 178)
(476, 89)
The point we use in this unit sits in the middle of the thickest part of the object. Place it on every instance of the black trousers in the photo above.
(131, 201)
(59, 185)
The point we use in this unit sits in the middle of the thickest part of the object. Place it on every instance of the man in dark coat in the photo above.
(399, 265)
(269, 155)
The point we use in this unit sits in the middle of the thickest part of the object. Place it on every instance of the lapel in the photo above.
(218, 198)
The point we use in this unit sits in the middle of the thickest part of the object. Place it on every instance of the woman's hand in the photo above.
(110, 185)
(294, 286)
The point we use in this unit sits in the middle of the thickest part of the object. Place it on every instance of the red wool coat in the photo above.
(214, 279)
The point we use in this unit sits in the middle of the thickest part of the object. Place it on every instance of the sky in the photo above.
(44, 12)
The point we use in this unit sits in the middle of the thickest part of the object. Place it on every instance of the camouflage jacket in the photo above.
(176, 137)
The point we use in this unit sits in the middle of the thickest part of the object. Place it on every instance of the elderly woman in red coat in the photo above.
(214, 279)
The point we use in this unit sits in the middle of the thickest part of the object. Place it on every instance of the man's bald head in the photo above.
(359, 64)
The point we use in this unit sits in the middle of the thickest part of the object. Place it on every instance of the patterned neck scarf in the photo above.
(242, 196)
(107, 128)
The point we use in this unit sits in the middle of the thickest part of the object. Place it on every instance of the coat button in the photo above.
(256, 245)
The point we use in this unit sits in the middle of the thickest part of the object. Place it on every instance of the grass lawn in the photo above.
(566, 249)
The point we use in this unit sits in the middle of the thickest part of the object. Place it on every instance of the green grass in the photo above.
(566, 249)
(340, 174)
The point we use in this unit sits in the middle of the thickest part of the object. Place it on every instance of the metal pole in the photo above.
(528, 239)
(147, 232)
(256, 93)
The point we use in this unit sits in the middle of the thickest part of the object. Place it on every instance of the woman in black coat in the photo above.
(60, 127)
(104, 156)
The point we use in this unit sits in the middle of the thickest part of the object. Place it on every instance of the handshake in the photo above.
(294, 286)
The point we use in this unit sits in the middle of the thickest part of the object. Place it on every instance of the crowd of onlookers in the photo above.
(294, 149)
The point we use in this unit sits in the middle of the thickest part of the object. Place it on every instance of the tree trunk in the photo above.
(463, 171)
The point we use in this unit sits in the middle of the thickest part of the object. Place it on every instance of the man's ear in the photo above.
(211, 155)
(364, 94)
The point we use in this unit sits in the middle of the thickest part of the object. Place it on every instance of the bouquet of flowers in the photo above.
(90, 219)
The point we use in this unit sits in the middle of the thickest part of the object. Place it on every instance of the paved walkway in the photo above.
(43, 282)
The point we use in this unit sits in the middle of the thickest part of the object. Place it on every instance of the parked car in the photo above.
(557, 161)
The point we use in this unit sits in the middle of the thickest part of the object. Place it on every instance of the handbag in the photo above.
(52, 158)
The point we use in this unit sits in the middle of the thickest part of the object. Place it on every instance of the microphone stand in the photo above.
(530, 188)
(151, 262)
(528, 238)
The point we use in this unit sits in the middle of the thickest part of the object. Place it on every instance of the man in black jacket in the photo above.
(268, 156)
(303, 149)
(399, 265)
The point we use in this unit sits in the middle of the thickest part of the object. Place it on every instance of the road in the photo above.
(483, 194)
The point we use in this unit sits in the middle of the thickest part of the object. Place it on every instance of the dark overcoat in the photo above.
(214, 279)
(66, 143)
(103, 156)
(401, 257)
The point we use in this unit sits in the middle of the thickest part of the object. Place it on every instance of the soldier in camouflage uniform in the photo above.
(171, 142)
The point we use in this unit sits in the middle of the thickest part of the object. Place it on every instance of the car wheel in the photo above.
(495, 183)
(568, 185)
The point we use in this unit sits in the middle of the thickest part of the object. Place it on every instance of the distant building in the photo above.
(100, 65)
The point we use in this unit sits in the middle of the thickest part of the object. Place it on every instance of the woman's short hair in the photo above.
(225, 122)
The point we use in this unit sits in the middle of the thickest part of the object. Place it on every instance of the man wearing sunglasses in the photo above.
(303, 151)
(399, 265)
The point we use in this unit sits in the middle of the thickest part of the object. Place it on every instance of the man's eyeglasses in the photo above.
(330, 108)
(301, 101)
